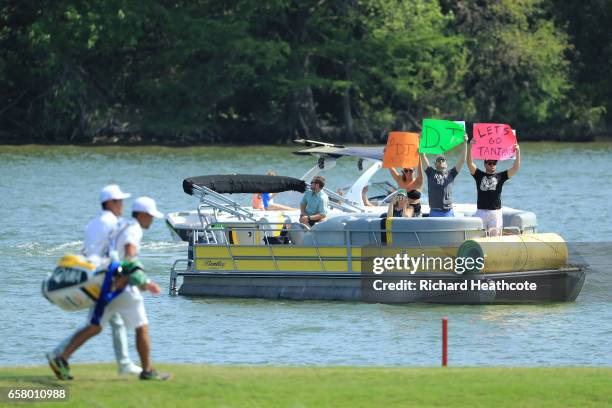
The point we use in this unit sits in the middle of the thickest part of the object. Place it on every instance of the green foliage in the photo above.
(517, 73)
(235, 71)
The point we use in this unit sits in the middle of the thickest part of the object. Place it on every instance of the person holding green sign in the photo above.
(440, 183)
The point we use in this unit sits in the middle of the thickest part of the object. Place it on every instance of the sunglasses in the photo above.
(440, 160)
(408, 171)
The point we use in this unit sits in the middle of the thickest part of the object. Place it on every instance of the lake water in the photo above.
(50, 193)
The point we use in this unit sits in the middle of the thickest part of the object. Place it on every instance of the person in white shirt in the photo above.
(96, 247)
(125, 243)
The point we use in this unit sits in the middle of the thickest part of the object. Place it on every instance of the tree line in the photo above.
(237, 71)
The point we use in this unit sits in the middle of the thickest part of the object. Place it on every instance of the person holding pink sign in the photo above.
(489, 184)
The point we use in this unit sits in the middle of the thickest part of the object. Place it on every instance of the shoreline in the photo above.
(127, 143)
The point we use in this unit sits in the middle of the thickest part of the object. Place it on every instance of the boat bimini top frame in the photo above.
(210, 190)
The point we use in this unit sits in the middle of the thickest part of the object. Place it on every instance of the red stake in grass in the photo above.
(444, 341)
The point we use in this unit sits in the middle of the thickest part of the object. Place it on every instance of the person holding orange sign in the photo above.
(413, 185)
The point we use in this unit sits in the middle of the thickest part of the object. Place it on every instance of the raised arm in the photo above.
(517, 162)
(470, 163)
(396, 176)
(424, 159)
(364, 197)
(419, 179)
(461, 160)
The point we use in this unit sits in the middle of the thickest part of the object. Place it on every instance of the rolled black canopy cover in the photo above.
(244, 183)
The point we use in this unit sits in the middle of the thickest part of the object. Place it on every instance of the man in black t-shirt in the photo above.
(440, 182)
(489, 185)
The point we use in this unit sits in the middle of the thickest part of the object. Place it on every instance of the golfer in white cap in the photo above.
(96, 248)
(127, 244)
(129, 235)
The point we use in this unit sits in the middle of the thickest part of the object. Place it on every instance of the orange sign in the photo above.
(402, 150)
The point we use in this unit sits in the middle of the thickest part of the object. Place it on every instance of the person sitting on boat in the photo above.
(398, 207)
(126, 299)
(314, 204)
(412, 185)
(364, 197)
(489, 185)
(440, 183)
(265, 201)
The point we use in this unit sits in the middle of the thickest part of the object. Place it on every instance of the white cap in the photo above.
(146, 205)
(112, 192)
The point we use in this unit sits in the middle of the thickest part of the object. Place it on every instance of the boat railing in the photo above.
(273, 252)
(219, 202)
(216, 234)
(342, 203)
(175, 272)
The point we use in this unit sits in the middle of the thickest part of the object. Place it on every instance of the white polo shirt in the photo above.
(97, 235)
(128, 232)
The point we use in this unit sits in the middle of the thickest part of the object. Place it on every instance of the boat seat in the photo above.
(432, 231)
(365, 230)
(524, 221)
(297, 232)
(329, 232)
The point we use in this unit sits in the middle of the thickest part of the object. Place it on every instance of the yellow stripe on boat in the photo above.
(331, 252)
(222, 251)
(306, 252)
(299, 265)
(388, 230)
(215, 264)
(255, 265)
(336, 266)
(260, 251)
(211, 251)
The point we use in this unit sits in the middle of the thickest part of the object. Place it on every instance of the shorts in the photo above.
(492, 221)
(437, 213)
(129, 305)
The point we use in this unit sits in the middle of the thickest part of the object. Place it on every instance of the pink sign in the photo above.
(493, 141)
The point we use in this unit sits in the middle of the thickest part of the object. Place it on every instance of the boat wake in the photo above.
(37, 248)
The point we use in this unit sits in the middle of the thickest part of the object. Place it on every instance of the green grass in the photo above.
(261, 386)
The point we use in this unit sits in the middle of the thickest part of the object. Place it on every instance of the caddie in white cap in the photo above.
(96, 248)
(112, 192)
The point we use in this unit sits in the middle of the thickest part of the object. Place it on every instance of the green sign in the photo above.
(439, 136)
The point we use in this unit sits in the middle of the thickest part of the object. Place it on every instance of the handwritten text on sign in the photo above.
(493, 141)
(439, 136)
(402, 150)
